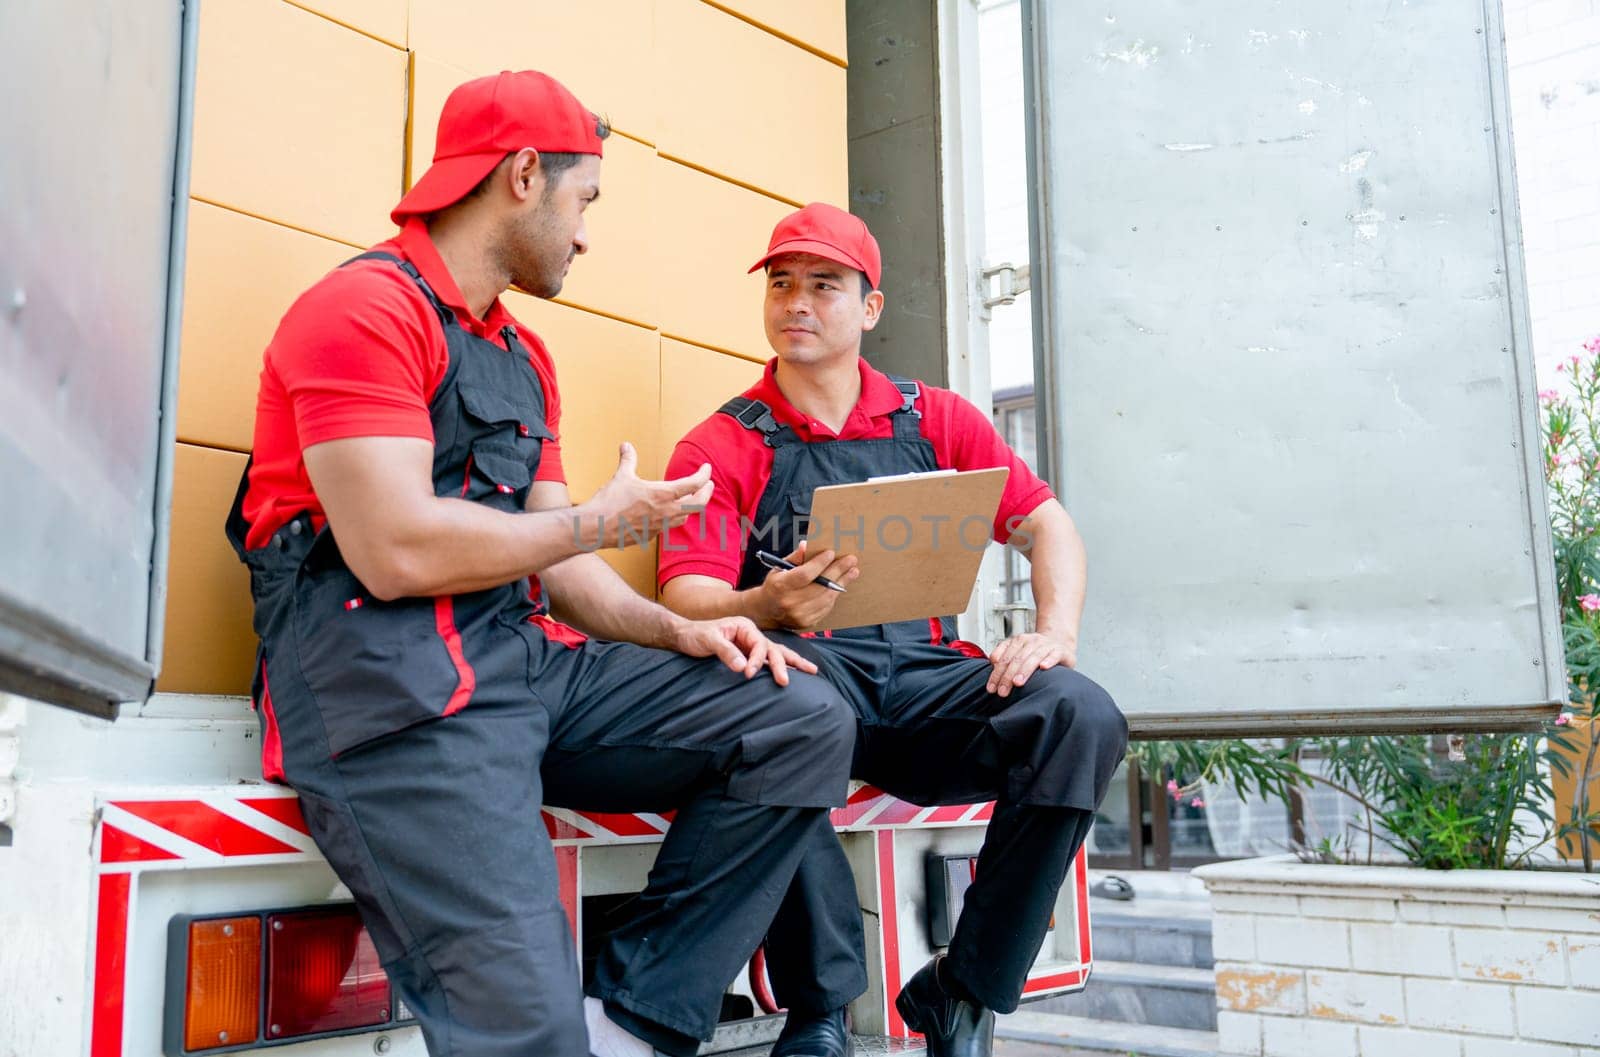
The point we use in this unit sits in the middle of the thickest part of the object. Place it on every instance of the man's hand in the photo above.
(628, 511)
(790, 598)
(1020, 656)
(739, 644)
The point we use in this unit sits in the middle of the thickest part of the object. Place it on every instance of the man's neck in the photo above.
(465, 246)
(825, 392)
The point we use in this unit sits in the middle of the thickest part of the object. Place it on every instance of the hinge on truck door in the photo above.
(1010, 618)
(1003, 283)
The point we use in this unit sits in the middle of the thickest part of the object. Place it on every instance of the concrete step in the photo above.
(1175, 933)
(1169, 995)
(1069, 1035)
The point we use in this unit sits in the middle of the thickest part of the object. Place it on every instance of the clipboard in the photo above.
(920, 537)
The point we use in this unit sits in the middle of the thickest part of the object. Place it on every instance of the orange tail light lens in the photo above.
(224, 984)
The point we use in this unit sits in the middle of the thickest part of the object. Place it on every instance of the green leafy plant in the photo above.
(1482, 801)
(1571, 452)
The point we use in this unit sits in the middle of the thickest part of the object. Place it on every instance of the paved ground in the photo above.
(1014, 1048)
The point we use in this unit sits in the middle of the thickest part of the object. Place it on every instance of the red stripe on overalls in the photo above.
(444, 617)
(271, 743)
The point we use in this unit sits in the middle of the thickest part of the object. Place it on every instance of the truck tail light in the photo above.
(323, 974)
(223, 988)
(259, 979)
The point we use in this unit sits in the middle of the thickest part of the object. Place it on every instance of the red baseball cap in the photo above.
(828, 232)
(488, 118)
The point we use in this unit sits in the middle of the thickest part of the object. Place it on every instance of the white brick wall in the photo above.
(1406, 1042)
(1282, 1037)
(1415, 950)
(1507, 1048)
(1465, 964)
(1239, 1033)
(1319, 944)
(1559, 1016)
(1452, 1005)
(1518, 957)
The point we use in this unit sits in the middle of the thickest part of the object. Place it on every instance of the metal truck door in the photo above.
(1284, 363)
(93, 174)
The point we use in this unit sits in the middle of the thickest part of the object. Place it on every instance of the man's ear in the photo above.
(874, 309)
(525, 174)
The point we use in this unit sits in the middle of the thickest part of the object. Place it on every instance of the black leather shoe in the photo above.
(823, 1036)
(953, 1027)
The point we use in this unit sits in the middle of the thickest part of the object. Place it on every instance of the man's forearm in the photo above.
(707, 598)
(402, 540)
(588, 594)
(453, 546)
(1059, 573)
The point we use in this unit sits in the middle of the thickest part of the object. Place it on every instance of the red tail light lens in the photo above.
(322, 974)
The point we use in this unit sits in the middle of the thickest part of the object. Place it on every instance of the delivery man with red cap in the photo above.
(405, 520)
(939, 722)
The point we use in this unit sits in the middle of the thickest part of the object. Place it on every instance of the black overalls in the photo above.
(931, 733)
(422, 735)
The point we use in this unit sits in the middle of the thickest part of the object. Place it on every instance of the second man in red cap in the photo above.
(938, 722)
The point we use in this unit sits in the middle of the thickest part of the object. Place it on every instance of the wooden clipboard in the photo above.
(920, 537)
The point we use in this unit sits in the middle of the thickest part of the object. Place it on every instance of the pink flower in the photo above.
(1197, 802)
(1590, 603)
(1172, 787)
(1563, 720)
(1593, 344)
(1561, 367)
(1548, 395)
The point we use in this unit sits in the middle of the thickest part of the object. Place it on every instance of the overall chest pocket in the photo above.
(505, 441)
(374, 667)
(489, 411)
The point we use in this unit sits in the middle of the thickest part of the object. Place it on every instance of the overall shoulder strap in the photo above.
(910, 389)
(756, 415)
(446, 316)
(907, 419)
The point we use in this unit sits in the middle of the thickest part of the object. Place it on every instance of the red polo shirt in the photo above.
(360, 355)
(963, 438)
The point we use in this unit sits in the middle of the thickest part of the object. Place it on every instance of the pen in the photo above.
(772, 561)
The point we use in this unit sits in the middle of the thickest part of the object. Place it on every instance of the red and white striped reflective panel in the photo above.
(207, 829)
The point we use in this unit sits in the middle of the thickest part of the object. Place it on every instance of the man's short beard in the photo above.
(520, 252)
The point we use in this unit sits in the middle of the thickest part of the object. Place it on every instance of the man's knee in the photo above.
(1096, 708)
(1083, 707)
(812, 702)
(797, 752)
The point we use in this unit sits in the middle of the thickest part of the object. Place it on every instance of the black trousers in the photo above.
(436, 830)
(930, 733)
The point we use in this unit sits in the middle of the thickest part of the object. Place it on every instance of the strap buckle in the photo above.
(757, 416)
(909, 391)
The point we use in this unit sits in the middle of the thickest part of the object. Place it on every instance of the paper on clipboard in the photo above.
(920, 538)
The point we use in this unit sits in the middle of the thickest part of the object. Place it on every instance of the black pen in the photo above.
(772, 561)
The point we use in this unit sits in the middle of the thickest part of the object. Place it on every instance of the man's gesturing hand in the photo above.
(1020, 656)
(627, 511)
(739, 644)
(791, 598)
